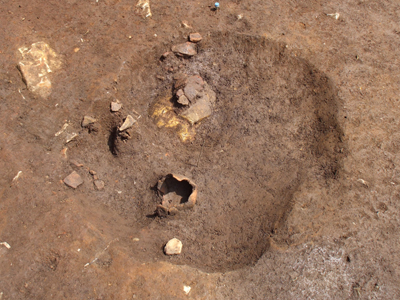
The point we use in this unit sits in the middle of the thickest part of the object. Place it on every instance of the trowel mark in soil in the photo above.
(273, 126)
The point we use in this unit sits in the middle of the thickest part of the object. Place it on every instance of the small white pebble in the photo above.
(186, 289)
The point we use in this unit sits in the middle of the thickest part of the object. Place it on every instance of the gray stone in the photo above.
(87, 121)
(194, 86)
(195, 37)
(179, 93)
(173, 247)
(185, 49)
(202, 108)
(99, 184)
(73, 180)
(116, 106)
(128, 123)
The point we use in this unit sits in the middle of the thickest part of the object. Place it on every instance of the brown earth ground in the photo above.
(297, 168)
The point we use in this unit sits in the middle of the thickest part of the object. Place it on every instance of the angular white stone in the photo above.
(129, 121)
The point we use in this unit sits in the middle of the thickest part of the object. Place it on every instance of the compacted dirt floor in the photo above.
(297, 167)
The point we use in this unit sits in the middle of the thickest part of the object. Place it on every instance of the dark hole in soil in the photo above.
(112, 139)
(178, 191)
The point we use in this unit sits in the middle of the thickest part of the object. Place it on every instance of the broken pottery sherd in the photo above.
(177, 192)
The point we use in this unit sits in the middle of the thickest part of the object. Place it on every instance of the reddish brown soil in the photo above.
(296, 168)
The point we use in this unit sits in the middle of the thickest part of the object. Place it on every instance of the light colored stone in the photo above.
(128, 123)
(73, 180)
(183, 100)
(87, 120)
(185, 49)
(99, 184)
(173, 247)
(38, 61)
(116, 106)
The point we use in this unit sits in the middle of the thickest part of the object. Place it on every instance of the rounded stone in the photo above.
(173, 247)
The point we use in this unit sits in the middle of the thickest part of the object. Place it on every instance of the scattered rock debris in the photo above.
(177, 193)
(195, 100)
(73, 180)
(173, 247)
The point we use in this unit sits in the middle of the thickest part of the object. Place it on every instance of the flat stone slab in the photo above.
(38, 61)
(202, 108)
(185, 49)
(73, 180)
